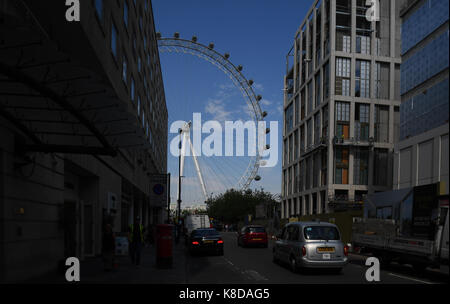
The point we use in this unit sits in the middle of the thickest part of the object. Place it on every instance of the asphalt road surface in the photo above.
(254, 266)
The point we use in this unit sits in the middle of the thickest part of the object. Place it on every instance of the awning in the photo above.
(388, 198)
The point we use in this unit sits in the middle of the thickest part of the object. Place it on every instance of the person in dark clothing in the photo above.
(136, 241)
(108, 247)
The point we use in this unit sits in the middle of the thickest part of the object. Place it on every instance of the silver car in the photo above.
(311, 245)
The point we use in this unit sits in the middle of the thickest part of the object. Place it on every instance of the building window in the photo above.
(343, 68)
(139, 105)
(362, 123)
(342, 120)
(361, 167)
(380, 168)
(382, 123)
(308, 173)
(382, 83)
(324, 123)
(296, 146)
(132, 88)
(317, 129)
(323, 169)
(310, 97)
(397, 124)
(316, 170)
(318, 95)
(289, 118)
(125, 13)
(362, 81)
(326, 81)
(341, 164)
(99, 8)
(363, 44)
(309, 133)
(303, 107)
(291, 143)
(363, 29)
(114, 40)
(343, 25)
(124, 69)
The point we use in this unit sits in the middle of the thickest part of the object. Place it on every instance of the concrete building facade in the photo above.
(421, 156)
(83, 129)
(342, 103)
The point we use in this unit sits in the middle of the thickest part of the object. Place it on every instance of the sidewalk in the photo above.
(92, 272)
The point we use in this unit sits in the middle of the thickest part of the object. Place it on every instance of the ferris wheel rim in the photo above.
(207, 53)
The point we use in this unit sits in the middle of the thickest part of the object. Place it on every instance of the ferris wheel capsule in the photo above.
(257, 178)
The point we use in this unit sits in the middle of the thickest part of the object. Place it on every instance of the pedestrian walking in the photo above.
(136, 240)
(108, 247)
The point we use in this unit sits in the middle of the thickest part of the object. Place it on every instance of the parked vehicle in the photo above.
(253, 235)
(409, 226)
(311, 245)
(196, 221)
(206, 241)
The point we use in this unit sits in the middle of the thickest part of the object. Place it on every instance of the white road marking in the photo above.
(408, 278)
(255, 275)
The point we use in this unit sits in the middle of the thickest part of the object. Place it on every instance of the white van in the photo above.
(196, 221)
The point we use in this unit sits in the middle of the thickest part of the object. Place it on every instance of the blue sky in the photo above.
(258, 34)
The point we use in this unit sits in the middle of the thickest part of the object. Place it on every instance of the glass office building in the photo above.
(425, 50)
(421, 155)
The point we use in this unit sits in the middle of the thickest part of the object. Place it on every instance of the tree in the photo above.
(233, 205)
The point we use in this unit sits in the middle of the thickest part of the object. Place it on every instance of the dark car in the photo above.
(252, 235)
(205, 240)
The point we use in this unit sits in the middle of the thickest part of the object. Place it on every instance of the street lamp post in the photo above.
(179, 187)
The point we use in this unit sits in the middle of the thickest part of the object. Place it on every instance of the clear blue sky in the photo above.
(257, 33)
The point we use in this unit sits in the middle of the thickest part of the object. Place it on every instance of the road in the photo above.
(254, 266)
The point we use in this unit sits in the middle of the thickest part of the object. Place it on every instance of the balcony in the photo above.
(311, 148)
(353, 142)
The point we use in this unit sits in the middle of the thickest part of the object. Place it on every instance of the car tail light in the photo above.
(303, 250)
(346, 250)
(195, 243)
(219, 242)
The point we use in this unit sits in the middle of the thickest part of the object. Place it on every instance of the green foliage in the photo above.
(233, 205)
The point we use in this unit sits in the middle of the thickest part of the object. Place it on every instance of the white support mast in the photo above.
(186, 138)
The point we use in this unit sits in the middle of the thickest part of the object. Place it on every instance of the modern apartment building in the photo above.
(342, 107)
(421, 156)
(83, 129)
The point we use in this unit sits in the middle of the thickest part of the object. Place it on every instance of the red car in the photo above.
(252, 235)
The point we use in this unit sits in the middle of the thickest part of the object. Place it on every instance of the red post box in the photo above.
(164, 241)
